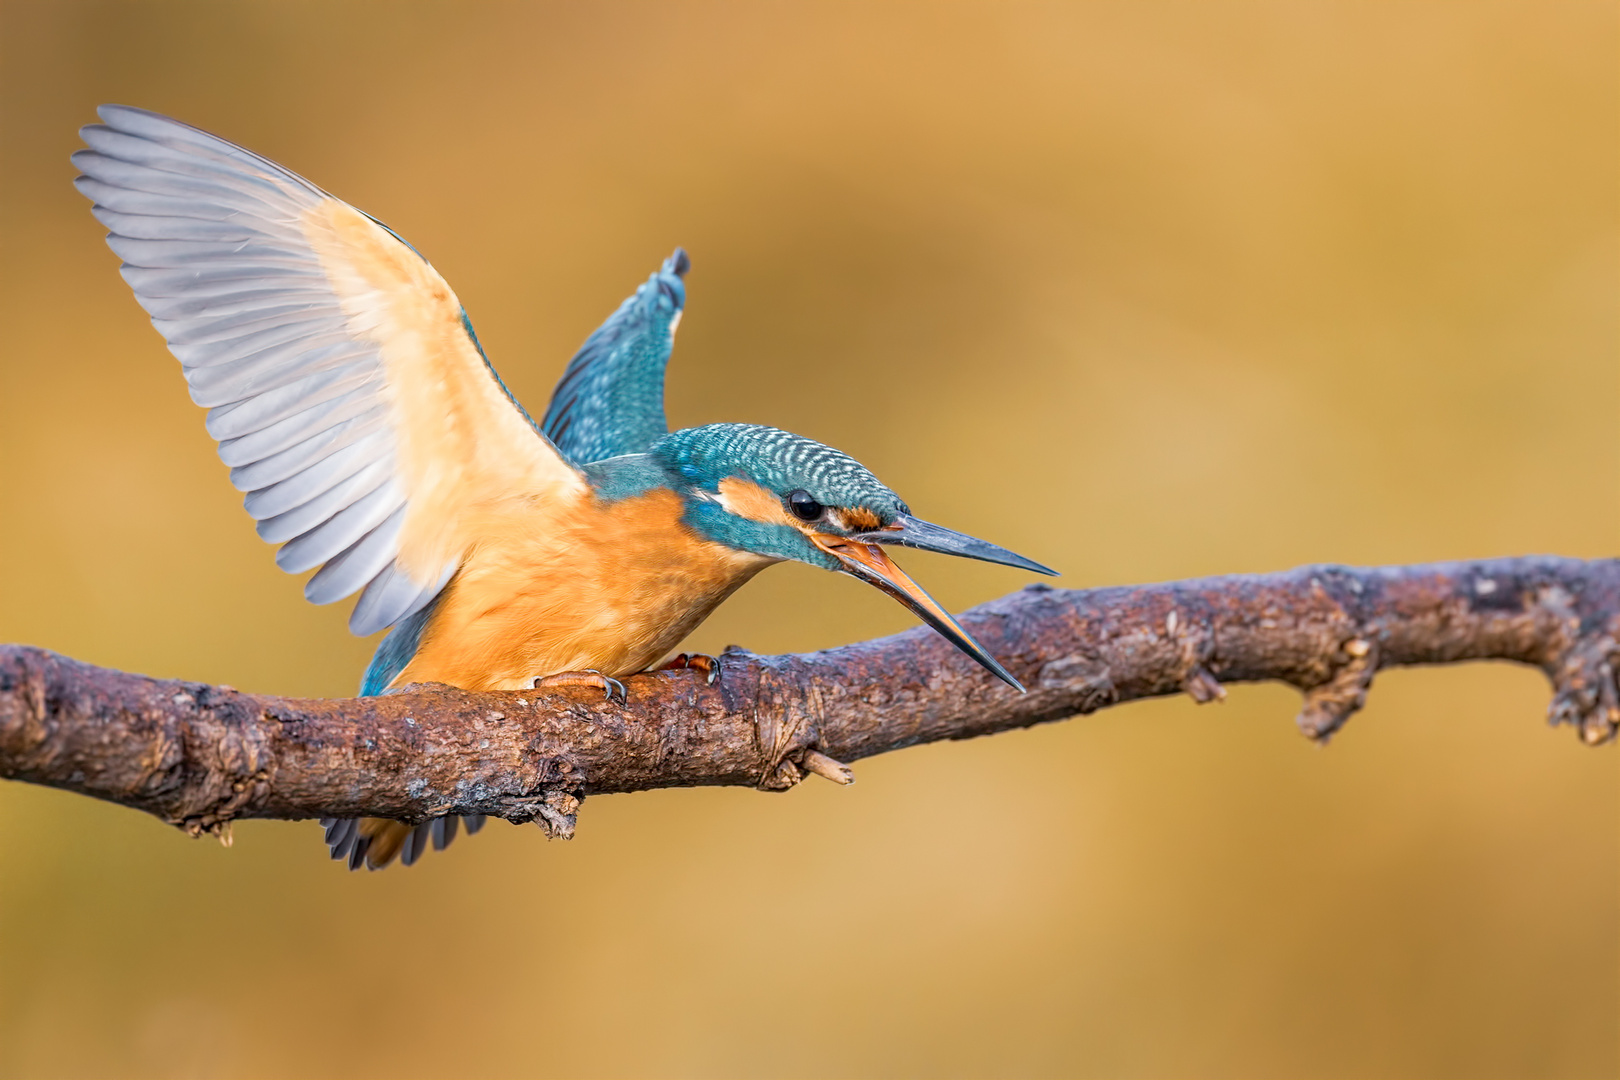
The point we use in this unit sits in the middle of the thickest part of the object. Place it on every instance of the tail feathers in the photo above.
(376, 842)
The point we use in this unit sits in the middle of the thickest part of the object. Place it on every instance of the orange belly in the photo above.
(611, 586)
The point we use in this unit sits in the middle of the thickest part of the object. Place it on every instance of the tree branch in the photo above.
(199, 756)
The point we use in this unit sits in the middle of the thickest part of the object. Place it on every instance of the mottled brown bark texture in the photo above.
(199, 756)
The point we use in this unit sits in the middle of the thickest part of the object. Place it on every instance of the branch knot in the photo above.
(1330, 704)
(1586, 695)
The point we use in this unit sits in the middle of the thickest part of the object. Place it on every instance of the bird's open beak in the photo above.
(907, 531)
(862, 558)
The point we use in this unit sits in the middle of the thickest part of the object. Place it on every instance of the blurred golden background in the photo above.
(1145, 290)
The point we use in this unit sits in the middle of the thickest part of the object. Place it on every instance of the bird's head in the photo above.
(782, 496)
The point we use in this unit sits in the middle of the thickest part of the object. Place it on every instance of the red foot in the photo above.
(700, 661)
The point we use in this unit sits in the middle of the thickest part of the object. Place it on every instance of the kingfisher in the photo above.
(374, 440)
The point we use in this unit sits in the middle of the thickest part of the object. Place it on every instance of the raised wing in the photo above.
(341, 376)
(610, 401)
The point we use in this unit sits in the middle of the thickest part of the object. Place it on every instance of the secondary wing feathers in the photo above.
(341, 376)
(610, 400)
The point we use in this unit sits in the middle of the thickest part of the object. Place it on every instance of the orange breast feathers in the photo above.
(609, 586)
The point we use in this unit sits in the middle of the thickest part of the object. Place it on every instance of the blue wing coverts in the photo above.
(610, 401)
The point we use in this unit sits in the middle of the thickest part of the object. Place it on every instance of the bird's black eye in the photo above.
(804, 507)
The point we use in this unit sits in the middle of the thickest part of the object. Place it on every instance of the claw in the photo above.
(701, 661)
(611, 687)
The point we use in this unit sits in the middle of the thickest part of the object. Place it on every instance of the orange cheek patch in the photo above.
(747, 499)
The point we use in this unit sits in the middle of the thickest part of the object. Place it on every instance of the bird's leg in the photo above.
(700, 661)
(589, 677)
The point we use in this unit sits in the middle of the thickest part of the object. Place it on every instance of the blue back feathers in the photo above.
(610, 400)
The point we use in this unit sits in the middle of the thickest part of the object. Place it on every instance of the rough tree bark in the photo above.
(199, 756)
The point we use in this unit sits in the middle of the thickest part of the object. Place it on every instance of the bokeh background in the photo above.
(1144, 289)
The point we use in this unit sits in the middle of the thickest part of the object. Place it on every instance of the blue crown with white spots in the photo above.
(777, 460)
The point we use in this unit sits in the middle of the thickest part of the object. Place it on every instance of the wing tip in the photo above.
(678, 263)
(111, 113)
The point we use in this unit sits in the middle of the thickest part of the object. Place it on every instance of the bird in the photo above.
(376, 444)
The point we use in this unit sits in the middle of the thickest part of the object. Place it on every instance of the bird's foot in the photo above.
(590, 677)
(698, 661)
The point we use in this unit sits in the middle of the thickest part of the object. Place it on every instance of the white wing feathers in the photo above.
(347, 397)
